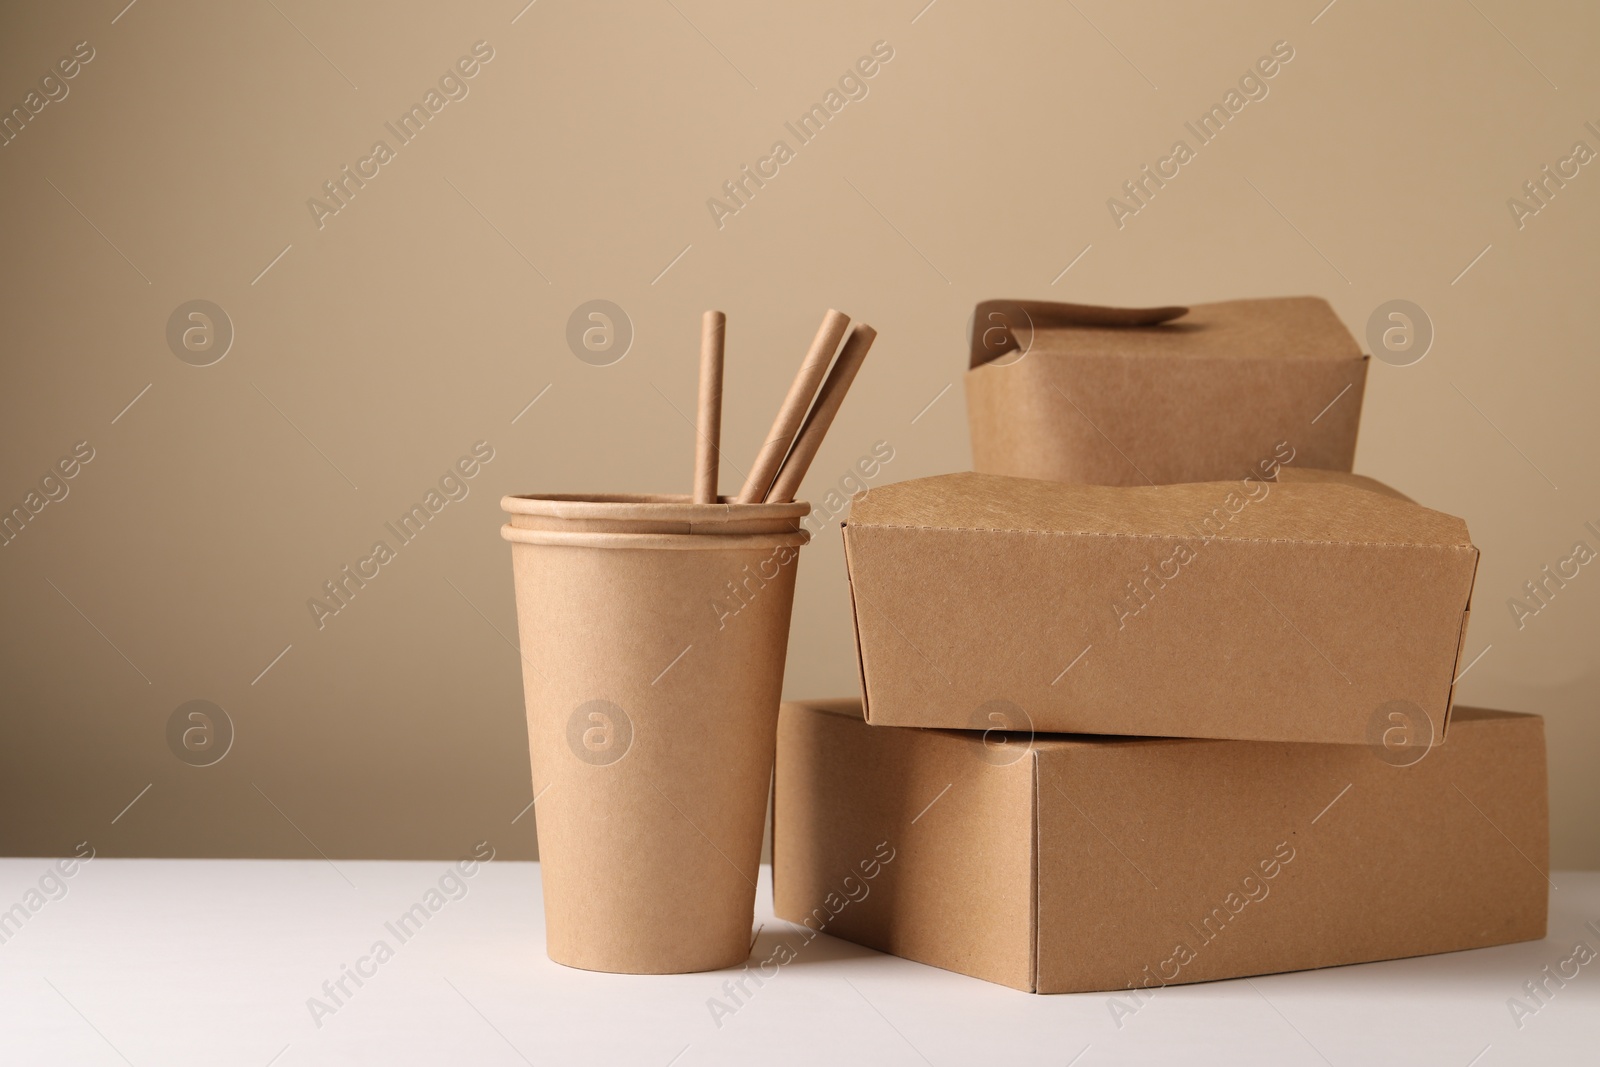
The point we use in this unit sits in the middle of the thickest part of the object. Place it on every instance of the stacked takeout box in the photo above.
(1161, 692)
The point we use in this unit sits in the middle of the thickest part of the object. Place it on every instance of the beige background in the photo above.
(433, 308)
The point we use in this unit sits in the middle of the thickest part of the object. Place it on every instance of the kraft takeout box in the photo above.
(1072, 864)
(1313, 608)
(1127, 396)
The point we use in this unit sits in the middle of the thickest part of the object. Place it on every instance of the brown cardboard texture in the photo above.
(653, 634)
(1071, 864)
(1108, 396)
(1313, 609)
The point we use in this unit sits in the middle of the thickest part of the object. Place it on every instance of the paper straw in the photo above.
(795, 405)
(708, 428)
(787, 484)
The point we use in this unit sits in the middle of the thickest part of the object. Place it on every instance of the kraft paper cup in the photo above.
(653, 635)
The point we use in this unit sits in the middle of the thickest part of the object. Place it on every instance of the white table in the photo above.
(212, 962)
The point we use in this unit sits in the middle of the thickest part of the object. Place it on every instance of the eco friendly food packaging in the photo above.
(1128, 396)
(1316, 607)
(653, 635)
(1065, 864)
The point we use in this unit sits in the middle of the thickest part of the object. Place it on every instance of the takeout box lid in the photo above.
(1288, 327)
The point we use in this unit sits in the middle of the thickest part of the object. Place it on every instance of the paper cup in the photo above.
(653, 636)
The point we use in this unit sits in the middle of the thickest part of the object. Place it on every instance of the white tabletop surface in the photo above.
(213, 962)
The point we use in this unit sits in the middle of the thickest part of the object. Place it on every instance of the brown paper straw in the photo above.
(851, 356)
(801, 392)
(708, 429)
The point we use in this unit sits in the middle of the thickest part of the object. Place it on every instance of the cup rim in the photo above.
(655, 507)
(735, 542)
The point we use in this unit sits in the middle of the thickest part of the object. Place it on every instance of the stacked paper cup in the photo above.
(653, 634)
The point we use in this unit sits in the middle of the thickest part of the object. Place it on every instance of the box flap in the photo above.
(1457, 670)
(1001, 326)
(855, 629)
(1290, 327)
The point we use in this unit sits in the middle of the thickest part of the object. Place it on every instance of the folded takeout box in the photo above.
(1111, 396)
(1314, 608)
(1068, 864)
